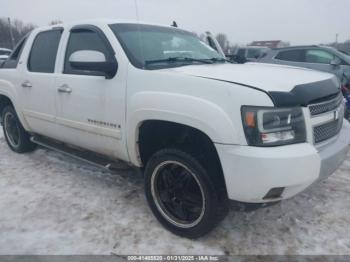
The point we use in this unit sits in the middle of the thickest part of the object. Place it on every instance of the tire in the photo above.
(16, 137)
(182, 195)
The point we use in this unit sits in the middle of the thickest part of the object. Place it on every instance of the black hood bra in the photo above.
(305, 94)
(300, 95)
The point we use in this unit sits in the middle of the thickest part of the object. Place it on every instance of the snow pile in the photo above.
(51, 204)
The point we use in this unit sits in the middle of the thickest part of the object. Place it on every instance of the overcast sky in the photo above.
(297, 21)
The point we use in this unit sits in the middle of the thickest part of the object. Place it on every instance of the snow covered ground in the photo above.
(51, 204)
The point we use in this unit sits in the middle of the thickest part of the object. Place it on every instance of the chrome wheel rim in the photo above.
(178, 194)
(12, 130)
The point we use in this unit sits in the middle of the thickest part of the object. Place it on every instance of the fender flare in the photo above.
(191, 111)
(8, 90)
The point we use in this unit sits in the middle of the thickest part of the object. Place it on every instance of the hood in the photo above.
(284, 84)
(263, 76)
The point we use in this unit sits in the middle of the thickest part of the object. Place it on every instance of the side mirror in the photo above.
(94, 61)
(336, 62)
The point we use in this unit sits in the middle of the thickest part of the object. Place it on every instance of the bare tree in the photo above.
(223, 41)
(19, 29)
(202, 37)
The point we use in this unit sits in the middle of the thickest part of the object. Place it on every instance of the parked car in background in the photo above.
(344, 52)
(346, 93)
(4, 54)
(249, 54)
(320, 58)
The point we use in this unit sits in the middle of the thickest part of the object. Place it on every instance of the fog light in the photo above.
(275, 192)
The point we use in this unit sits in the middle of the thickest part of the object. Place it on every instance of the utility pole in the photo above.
(11, 33)
(336, 38)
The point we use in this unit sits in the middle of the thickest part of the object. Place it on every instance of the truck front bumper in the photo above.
(256, 175)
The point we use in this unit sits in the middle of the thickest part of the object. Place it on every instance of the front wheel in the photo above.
(16, 137)
(181, 194)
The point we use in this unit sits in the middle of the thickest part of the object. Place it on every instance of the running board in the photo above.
(80, 154)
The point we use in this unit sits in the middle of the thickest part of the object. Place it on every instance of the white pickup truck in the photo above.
(202, 130)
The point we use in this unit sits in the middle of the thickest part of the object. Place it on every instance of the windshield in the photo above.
(153, 47)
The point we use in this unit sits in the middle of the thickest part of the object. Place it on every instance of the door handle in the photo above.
(64, 89)
(26, 84)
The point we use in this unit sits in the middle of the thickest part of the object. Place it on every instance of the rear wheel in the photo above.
(16, 137)
(181, 193)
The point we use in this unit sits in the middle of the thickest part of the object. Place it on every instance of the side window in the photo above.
(254, 53)
(12, 61)
(297, 55)
(318, 56)
(5, 52)
(42, 57)
(241, 52)
(84, 39)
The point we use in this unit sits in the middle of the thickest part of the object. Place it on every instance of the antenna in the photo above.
(138, 33)
(11, 33)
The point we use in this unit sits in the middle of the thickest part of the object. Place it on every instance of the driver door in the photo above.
(90, 108)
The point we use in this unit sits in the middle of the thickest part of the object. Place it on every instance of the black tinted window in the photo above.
(3, 52)
(241, 52)
(292, 55)
(211, 43)
(318, 56)
(44, 51)
(18, 50)
(84, 40)
(12, 62)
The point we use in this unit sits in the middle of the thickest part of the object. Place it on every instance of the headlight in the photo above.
(265, 126)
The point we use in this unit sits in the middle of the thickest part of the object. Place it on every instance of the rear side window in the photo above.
(254, 53)
(42, 57)
(292, 55)
(241, 52)
(84, 39)
(318, 56)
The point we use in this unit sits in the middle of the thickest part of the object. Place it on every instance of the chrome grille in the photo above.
(327, 131)
(320, 108)
(327, 118)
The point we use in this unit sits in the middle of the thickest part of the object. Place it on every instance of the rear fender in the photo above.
(9, 90)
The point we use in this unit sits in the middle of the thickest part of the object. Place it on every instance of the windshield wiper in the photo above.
(179, 59)
(219, 60)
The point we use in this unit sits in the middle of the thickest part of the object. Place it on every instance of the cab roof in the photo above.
(102, 22)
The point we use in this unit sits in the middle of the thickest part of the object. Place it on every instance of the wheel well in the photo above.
(155, 135)
(4, 101)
